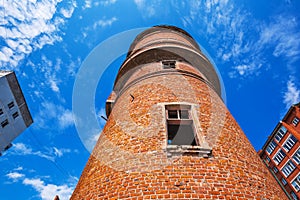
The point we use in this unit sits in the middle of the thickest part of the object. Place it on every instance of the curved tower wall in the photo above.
(169, 134)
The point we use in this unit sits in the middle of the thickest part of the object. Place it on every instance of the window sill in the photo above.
(190, 150)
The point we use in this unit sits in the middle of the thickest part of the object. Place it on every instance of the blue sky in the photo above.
(255, 45)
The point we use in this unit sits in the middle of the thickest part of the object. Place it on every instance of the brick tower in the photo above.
(169, 134)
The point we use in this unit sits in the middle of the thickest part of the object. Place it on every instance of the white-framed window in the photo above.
(289, 143)
(279, 156)
(296, 156)
(271, 147)
(295, 121)
(296, 183)
(283, 181)
(280, 133)
(268, 159)
(288, 168)
(294, 196)
(275, 169)
(180, 127)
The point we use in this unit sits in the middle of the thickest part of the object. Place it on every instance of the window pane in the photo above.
(296, 156)
(288, 168)
(271, 147)
(184, 114)
(181, 135)
(279, 157)
(288, 145)
(280, 133)
(172, 114)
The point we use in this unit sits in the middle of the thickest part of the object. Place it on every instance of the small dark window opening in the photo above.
(11, 105)
(169, 64)
(180, 126)
(181, 135)
(4, 123)
(1, 111)
(15, 115)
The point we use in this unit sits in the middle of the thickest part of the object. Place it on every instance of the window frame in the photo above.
(279, 135)
(180, 121)
(288, 168)
(168, 64)
(281, 158)
(295, 121)
(272, 146)
(296, 155)
(296, 186)
(289, 143)
(4, 123)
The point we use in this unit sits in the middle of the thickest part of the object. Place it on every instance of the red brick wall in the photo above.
(130, 159)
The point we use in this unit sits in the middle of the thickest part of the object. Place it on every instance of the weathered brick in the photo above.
(130, 159)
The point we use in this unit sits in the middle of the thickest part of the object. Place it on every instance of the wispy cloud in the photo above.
(148, 8)
(48, 191)
(68, 12)
(51, 113)
(27, 26)
(107, 2)
(282, 36)
(15, 176)
(50, 153)
(22, 149)
(104, 22)
(292, 94)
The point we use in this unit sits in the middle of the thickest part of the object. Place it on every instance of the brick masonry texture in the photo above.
(130, 158)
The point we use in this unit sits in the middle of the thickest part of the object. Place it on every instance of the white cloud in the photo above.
(60, 152)
(66, 119)
(29, 25)
(68, 12)
(22, 149)
(46, 191)
(54, 114)
(292, 94)
(15, 176)
(282, 36)
(107, 2)
(49, 191)
(147, 8)
(104, 22)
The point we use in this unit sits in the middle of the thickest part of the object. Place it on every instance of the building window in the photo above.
(15, 115)
(169, 64)
(4, 123)
(275, 169)
(296, 183)
(279, 156)
(280, 133)
(288, 168)
(271, 147)
(1, 111)
(180, 125)
(283, 181)
(268, 159)
(294, 196)
(288, 145)
(295, 121)
(11, 105)
(296, 156)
